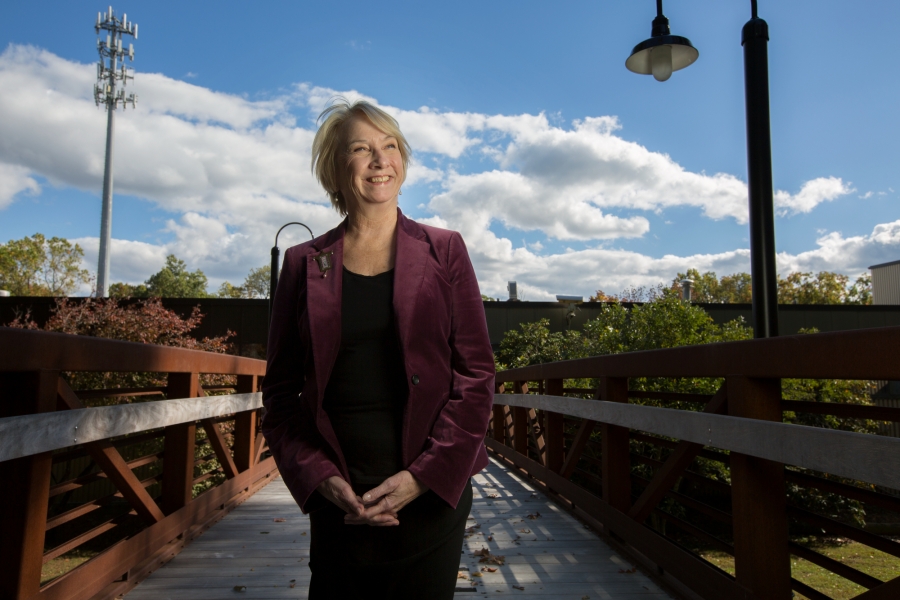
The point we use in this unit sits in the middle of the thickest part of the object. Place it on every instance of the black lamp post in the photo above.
(273, 276)
(661, 55)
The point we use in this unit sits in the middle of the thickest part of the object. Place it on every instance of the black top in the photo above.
(367, 391)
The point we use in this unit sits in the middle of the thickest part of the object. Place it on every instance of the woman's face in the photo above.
(371, 168)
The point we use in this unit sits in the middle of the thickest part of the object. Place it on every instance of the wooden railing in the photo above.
(96, 498)
(582, 451)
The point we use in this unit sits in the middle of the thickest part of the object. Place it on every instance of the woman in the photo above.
(380, 375)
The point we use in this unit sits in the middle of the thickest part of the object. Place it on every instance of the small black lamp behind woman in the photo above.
(380, 376)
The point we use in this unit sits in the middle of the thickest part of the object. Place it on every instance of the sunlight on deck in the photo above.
(260, 550)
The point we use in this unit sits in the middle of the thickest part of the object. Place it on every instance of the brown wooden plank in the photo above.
(616, 454)
(23, 505)
(223, 452)
(29, 350)
(761, 558)
(861, 354)
(885, 591)
(674, 466)
(573, 455)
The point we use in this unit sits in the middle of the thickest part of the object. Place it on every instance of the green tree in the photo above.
(256, 284)
(226, 290)
(126, 290)
(175, 281)
(709, 288)
(36, 266)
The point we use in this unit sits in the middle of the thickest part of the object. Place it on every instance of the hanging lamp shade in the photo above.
(663, 53)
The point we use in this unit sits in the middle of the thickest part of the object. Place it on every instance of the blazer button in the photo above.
(415, 380)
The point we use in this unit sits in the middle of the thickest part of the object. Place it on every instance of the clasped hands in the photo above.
(379, 506)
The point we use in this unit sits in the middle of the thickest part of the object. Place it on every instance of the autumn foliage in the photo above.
(143, 321)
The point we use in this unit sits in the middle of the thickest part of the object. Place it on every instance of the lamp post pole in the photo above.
(273, 273)
(664, 53)
(763, 273)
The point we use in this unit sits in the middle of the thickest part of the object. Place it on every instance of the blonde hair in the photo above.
(329, 140)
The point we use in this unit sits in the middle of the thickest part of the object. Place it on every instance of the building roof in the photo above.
(887, 264)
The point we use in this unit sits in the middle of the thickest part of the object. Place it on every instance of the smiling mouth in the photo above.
(381, 179)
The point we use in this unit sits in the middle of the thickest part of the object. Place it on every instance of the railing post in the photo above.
(615, 457)
(180, 440)
(761, 557)
(498, 418)
(520, 421)
(553, 435)
(23, 506)
(244, 427)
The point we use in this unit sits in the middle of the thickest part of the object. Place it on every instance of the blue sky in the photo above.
(562, 169)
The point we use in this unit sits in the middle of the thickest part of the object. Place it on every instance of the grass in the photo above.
(859, 556)
(65, 563)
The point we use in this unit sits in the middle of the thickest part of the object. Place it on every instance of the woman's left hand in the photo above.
(385, 501)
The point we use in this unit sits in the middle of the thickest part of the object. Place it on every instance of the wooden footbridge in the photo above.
(585, 496)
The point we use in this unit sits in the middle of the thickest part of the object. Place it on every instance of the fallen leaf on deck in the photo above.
(519, 587)
(536, 515)
(240, 588)
(462, 576)
(487, 557)
(524, 531)
(493, 495)
(628, 571)
(490, 538)
(489, 569)
(279, 519)
(477, 574)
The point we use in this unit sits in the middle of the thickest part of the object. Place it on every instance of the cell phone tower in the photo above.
(109, 73)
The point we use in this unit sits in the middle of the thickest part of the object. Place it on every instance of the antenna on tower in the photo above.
(109, 74)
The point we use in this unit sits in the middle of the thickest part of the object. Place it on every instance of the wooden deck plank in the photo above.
(548, 556)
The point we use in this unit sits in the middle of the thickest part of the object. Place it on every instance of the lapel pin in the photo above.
(323, 259)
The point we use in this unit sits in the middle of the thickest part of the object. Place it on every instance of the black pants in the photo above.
(415, 560)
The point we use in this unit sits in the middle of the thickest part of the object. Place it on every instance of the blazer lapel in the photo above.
(323, 305)
(409, 273)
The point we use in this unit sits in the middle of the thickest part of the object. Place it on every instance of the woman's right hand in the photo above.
(338, 491)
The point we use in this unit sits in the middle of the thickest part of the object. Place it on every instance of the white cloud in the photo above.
(234, 169)
(14, 180)
(813, 193)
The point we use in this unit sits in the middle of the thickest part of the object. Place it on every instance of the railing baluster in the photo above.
(761, 557)
(554, 431)
(244, 427)
(23, 506)
(180, 440)
(616, 456)
(520, 421)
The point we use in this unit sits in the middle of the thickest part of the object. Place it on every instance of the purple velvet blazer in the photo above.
(446, 352)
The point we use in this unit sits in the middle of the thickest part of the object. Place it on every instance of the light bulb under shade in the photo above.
(661, 62)
(683, 54)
